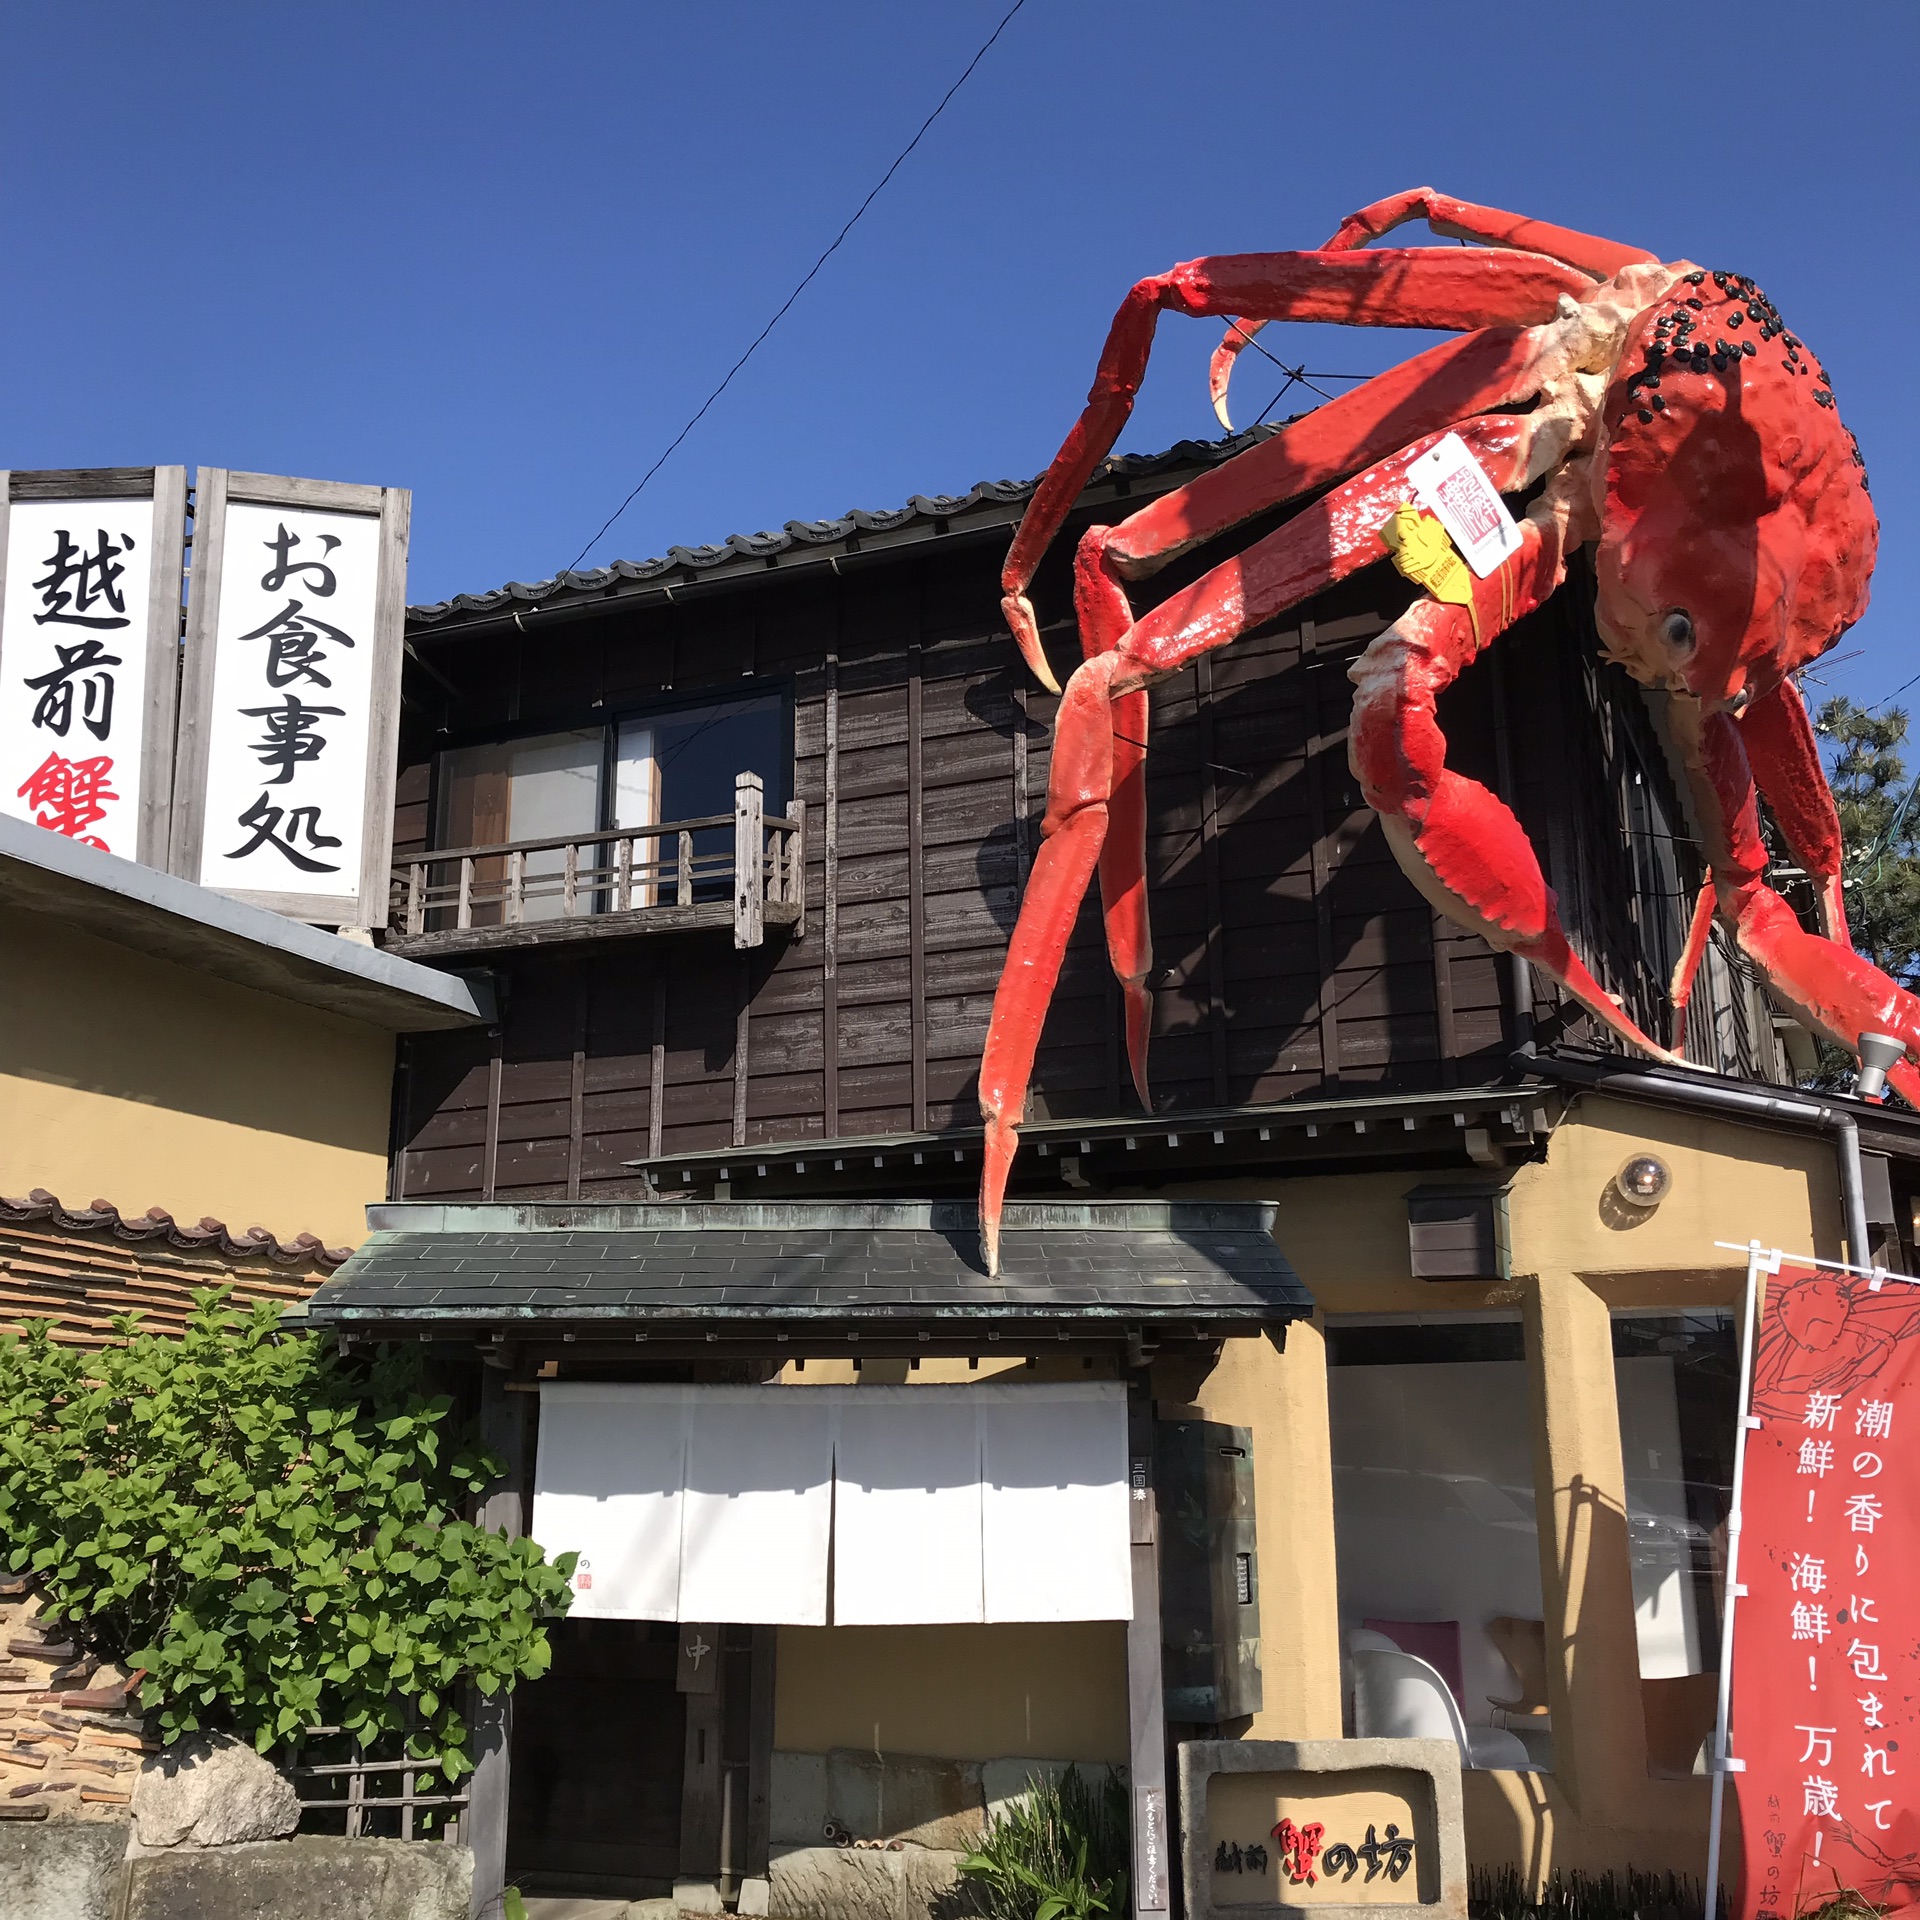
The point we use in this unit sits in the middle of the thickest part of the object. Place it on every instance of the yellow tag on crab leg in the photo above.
(1422, 551)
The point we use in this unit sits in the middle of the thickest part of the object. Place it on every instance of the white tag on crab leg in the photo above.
(1453, 486)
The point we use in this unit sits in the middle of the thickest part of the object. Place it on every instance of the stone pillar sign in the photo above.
(1335, 1827)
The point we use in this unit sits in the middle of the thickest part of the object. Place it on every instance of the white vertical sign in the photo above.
(1453, 486)
(291, 708)
(292, 693)
(89, 633)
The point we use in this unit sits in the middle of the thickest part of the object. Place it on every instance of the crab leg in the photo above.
(1786, 767)
(1332, 538)
(1687, 969)
(1828, 986)
(1105, 616)
(1456, 841)
(1335, 536)
(1785, 762)
(1456, 289)
(1463, 220)
(1456, 219)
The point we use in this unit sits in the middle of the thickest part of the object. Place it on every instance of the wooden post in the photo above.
(916, 895)
(684, 891)
(830, 899)
(702, 1684)
(1146, 1714)
(749, 853)
(503, 1432)
(797, 863)
(760, 1753)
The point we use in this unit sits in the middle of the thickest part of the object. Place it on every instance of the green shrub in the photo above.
(1059, 1852)
(271, 1531)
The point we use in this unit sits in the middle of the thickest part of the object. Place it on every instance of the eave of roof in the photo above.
(1883, 1129)
(989, 505)
(812, 1264)
(1432, 1129)
(193, 926)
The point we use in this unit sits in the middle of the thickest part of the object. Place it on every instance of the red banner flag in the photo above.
(1826, 1663)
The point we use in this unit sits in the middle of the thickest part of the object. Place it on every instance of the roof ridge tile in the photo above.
(765, 544)
(157, 1223)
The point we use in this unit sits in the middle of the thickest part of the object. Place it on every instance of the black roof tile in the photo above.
(753, 552)
(1214, 1261)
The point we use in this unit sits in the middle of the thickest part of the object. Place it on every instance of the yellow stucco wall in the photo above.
(144, 1083)
(1577, 1255)
(1282, 1397)
(1042, 1691)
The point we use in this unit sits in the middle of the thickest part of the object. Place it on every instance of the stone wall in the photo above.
(864, 1836)
(70, 1743)
(73, 1870)
(310, 1877)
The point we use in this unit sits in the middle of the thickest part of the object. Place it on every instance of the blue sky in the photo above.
(497, 254)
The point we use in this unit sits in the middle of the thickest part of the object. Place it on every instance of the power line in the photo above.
(899, 161)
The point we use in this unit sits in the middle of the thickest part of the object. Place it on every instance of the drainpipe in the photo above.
(1736, 1103)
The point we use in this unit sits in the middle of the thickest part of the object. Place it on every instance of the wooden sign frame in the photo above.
(166, 487)
(392, 508)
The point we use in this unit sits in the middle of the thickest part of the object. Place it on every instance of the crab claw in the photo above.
(1018, 611)
(1239, 336)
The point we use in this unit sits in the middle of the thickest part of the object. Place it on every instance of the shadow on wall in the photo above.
(86, 1014)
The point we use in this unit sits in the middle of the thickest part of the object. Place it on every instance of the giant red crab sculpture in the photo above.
(1677, 425)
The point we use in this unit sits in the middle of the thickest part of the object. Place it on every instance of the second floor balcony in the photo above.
(744, 871)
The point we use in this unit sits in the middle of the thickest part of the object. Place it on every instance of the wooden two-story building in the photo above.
(737, 837)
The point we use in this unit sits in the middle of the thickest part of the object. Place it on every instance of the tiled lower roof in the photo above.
(815, 1262)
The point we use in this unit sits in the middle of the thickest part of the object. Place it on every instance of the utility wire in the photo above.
(899, 161)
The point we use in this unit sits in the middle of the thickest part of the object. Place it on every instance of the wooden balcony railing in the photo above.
(626, 880)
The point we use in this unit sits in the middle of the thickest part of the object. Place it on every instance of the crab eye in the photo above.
(1677, 628)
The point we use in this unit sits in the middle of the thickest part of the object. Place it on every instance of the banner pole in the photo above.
(1759, 1260)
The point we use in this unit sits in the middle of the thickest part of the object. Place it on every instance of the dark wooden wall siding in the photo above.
(1292, 956)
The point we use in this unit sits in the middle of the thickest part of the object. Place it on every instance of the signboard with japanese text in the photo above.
(90, 566)
(1826, 1666)
(290, 709)
(1290, 1839)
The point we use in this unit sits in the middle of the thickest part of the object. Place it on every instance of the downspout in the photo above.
(1737, 1102)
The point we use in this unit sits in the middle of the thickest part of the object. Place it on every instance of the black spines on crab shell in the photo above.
(1670, 348)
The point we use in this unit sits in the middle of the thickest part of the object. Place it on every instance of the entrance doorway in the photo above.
(641, 1758)
(597, 1762)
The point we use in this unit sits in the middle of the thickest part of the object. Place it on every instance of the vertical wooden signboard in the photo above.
(290, 706)
(89, 652)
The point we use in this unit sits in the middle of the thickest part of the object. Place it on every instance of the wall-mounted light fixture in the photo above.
(1644, 1181)
(1878, 1052)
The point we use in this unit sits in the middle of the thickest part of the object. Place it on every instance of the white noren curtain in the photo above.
(940, 1503)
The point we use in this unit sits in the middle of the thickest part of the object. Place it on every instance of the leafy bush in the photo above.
(271, 1531)
(1058, 1853)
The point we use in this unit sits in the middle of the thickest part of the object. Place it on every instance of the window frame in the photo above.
(610, 720)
